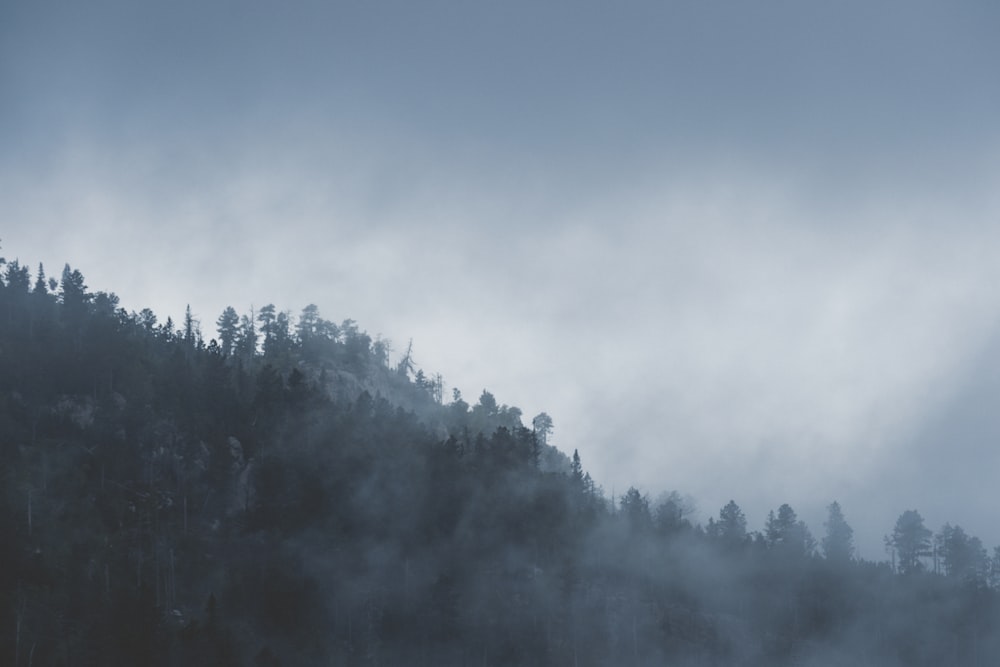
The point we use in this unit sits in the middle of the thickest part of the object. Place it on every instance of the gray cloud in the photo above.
(743, 253)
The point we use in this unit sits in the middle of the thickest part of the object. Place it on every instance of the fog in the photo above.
(743, 253)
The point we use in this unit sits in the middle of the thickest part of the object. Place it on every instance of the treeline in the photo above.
(282, 494)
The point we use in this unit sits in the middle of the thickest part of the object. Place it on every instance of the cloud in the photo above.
(744, 254)
(720, 332)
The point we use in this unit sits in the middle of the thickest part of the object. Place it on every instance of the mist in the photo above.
(735, 253)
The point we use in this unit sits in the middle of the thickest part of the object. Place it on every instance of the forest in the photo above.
(271, 488)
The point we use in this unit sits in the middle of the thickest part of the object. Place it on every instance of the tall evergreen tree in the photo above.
(246, 340)
(147, 320)
(73, 294)
(542, 423)
(576, 469)
(670, 512)
(191, 326)
(731, 528)
(18, 277)
(228, 328)
(308, 324)
(785, 532)
(910, 541)
(41, 284)
(962, 555)
(267, 317)
(635, 509)
(838, 543)
(282, 336)
(167, 329)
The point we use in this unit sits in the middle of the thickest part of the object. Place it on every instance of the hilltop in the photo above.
(277, 490)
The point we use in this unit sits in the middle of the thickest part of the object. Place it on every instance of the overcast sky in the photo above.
(743, 250)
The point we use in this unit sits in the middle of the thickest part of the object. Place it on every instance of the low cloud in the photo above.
(721, 332)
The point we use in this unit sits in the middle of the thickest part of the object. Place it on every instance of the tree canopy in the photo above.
(283, 494)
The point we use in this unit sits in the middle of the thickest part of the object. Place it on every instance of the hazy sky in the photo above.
(739, 249)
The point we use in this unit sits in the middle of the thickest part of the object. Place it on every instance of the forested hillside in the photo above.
(269, 489)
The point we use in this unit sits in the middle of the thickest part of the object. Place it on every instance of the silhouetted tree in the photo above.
(18, 277)
(281, 339)
(634, 507)
(838, 543)
(405, 366)
(308, 324)
(276, 330)
(542, 423)
(228, 328)
(962, 555)
(147, 320)
(911, 541)
(74, 291)
(576, 470)
(246, 341)
(41, 285)
(670, 514)
(731, 528)
(785, 532)
(190, 327)
(167, 331)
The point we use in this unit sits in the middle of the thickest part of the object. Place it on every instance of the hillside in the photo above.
(275, 490)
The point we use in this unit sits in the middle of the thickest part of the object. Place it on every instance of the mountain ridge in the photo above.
(282, 495)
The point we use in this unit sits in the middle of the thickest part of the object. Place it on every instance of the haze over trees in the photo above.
(277, 490)
(838, 543)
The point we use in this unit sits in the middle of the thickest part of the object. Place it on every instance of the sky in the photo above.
(738, 250)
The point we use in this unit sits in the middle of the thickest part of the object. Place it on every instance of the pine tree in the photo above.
(246, 340)
(73, 295)
(190, 327)
(910, 541)
(576, 469)
(635, 509)
(838, 543)
(147, 320)
(542, 423)
(787, 533)
(962, 555)
(228, 328)
(41, 285)
(18, 277)
(731, 528)
(267, 318)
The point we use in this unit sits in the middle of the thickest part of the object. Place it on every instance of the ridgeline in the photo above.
(285, 494)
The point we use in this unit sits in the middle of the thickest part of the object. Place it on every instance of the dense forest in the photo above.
(277, 489)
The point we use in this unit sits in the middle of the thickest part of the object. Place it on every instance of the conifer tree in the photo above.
(41, 285)
(246, 340)
(228, 328)
(542, 423)
(910, 541)
(18, 277)
(576, 469)
(190, 327)
(838, 543)
(731, 528)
